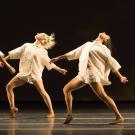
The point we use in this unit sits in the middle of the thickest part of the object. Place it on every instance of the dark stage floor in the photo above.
(89, 119)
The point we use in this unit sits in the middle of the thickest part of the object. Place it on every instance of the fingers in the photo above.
(124, 80)
(12, 70)
(9, 67)
(65, 72)
(52, 61)
(1, 59)
(1, 64)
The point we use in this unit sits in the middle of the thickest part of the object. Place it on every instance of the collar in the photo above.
(97, 42)
(38, 44)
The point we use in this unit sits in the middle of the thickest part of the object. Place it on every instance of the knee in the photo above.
(66, 90)
(9, 87)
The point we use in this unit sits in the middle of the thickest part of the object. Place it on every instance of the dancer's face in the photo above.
(40, 37)
(104, 36)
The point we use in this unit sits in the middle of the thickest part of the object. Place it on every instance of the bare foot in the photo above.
(69, 118)
(117, 121)
(51, 115)
(13, 111)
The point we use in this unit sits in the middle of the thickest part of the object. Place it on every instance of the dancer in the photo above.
(33, 59)
(95, 63)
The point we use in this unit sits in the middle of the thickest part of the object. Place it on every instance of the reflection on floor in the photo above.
(88, 120)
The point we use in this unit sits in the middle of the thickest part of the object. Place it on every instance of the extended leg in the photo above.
(40, 87)
(99, 90)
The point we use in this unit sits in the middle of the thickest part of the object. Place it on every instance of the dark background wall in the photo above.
(74, 22)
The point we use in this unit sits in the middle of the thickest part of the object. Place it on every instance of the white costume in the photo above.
(95, 62)
(33, 60)
(1, 54)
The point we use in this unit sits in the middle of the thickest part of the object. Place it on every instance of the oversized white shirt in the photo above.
(33, 60)
(95, 62)
(1, 54)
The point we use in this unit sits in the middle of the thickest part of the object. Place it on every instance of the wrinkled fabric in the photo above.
(33, 60)
(95, 62)
(1, 54)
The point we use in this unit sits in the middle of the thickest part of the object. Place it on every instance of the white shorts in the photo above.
(89, 78)
(28, 78)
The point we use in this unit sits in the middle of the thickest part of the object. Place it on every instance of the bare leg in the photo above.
(14, 82)
(40, 87)
(74, 84)
(99, 90)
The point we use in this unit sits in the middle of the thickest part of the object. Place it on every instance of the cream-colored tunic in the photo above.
(95, 62)
(1, 54)
(33, 60)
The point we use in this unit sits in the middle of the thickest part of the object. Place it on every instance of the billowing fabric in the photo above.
(33, 60)
(95, 62)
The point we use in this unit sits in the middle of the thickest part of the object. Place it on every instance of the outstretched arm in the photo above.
(60, 70)
(9, 67)
(53, 60)
(72, 55)
(115, 66)
(50, 65)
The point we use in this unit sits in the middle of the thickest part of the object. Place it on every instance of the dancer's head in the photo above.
(46, 41)
(106, 40)
(103, 36)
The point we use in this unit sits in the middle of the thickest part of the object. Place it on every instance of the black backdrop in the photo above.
(74, 22)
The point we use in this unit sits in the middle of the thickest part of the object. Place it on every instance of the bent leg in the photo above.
(14, 82)
(100, 92)
(40, 87)
(74, 84)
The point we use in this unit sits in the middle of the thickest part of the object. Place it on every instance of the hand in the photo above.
(1, 64)
(63, 71)
(8, 66)
(1, 58)
(53, 60)
(123, 79)
(11, 69)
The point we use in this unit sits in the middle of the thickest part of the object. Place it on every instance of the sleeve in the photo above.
(47, 62)
(75, 54)
(113, 63)
(16, 53)
(1, 54)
